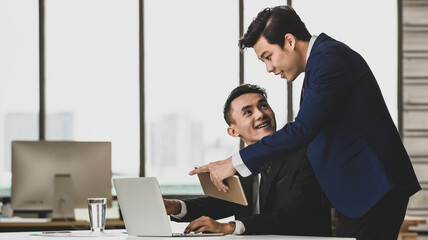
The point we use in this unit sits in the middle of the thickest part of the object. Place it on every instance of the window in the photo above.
(191, 65)
(19, 79)
(92, 76)
(359, 25)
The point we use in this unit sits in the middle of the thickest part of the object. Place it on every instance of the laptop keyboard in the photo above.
(196, 234)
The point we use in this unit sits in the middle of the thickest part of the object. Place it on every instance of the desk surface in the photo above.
(59, 223)
(54, 225)
(121, 235)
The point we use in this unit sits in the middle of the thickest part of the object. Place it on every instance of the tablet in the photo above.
(235, 193)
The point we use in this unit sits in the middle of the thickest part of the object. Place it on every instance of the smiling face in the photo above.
(288, 62)
(252, 118)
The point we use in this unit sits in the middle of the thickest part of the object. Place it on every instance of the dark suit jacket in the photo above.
(352, 142)
(294, 203)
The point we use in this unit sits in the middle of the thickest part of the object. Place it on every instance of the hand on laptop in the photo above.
(207, 224)
(173, 207)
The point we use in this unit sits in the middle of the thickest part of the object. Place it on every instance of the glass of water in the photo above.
(97, 213)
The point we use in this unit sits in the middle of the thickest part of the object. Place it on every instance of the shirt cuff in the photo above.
(239, 228)
(239, 165)
(183, 210)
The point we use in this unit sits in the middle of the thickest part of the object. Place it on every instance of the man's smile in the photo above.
(263, 125)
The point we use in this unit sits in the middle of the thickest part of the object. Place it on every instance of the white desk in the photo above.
(121, 235)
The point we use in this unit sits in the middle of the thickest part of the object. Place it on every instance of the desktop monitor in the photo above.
(39, 167)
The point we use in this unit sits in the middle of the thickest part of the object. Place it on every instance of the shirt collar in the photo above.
(311, 43)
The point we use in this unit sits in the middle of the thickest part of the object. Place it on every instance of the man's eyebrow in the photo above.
(263, 100)
(244, 108)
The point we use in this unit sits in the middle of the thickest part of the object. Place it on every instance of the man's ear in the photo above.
(232, 131)
(289, 41)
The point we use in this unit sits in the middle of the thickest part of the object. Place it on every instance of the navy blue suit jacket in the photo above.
(351, 141)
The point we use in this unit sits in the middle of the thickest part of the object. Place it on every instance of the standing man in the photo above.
(343, 122)
(287, 199)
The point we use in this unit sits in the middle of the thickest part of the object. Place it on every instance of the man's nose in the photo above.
(258, 114)
(269, 67)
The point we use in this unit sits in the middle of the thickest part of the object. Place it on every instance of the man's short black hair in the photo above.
(273, 24)
(238, 91)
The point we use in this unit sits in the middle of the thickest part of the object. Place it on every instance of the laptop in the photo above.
(143, 210)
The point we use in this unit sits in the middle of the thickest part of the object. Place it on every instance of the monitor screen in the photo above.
(36, 164)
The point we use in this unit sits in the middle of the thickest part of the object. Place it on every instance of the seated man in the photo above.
(287, 199)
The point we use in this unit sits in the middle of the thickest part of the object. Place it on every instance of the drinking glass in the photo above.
(97, 213)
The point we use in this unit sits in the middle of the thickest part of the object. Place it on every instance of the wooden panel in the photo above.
(415, 120)
(416, 146)
(415, 15)
(415, 41)
(415, 99)
(421, 170)
(415, 67)
(407, 236)
(421, 107)
(419, 200)
(415, 94)
(423, 159)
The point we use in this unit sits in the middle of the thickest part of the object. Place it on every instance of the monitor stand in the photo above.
(63, 203)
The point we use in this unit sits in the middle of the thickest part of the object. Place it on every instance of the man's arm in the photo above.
(178, 211)
(173, 207)
(208, 206)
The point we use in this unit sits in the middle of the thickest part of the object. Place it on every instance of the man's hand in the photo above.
(207, 224)
(173, 207)
(219, 171)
